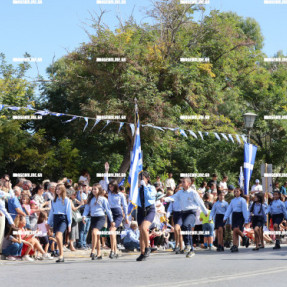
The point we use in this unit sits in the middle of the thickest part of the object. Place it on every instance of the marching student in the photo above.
(174, 208)
(278, 211)
(96, 207)
(239, 211)
(117, 201)
(189, 200)
(60, 217)
(258, 218)
(146, 213)
(219, 208)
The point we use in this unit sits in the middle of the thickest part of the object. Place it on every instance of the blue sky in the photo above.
(56, 26)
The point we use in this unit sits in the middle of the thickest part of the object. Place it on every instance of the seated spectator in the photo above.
(29, 241)
(12, 246)
(14, 205)
(131, 237)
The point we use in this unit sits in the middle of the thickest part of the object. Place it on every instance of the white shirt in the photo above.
(223, 185)
(170, 183)
(256, 188)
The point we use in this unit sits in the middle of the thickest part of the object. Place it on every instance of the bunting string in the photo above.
(226, 137)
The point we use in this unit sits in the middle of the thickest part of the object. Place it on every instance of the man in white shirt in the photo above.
(170, 182)
(257, 187)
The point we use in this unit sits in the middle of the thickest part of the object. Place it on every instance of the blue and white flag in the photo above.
(70, 120)
(14, 108)
(249, 160)
(121, 125)
(183, 133)
(57, 114)
(244, 138)
(230, 136)
(217, 136)
(132, 126)
(224, 136)
(135, 169)
(87, 122)
(96, 122)
(241, 178)
(107, 123)
(200, 133)
(42, 113)
(1, 107)
(238, 138)
(122, 182)
(193, 133)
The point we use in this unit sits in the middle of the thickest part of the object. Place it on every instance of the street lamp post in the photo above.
(249, 119)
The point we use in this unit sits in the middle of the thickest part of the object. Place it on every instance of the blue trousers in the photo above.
(13, 250)
(131, 245)
(188, 222)
(83, 232)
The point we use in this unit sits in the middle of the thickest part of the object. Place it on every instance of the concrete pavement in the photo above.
(207, 268)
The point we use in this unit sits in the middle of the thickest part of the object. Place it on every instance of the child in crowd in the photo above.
(42, 226)
(25, 201)
(52, 243)
(208, 227)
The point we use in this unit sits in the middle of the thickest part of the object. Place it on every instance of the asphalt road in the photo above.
(207, 268)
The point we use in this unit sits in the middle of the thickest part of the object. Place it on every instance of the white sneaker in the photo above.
(11, 258)
(47, 256)
(27, 258)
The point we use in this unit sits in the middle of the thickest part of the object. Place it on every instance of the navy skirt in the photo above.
(60, 223)
(219, 221)
(277, 218)
(117, 216)
(98, 222)
(237, 220)
(148, 215)
(177, 217)
(257, 220)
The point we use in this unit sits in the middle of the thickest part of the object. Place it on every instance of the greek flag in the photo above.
(249, 160)
(135, 169)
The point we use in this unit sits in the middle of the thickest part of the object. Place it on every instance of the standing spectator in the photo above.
(202, 187)
(74, 234)
(170, 182)
(85, 176)
(14, 205)
(83, 228)
(257, 187)
(158, 181)
(38, 192)
(213, 180)
(283, 189)
(193, 183)
(223, 184)
(276, 187)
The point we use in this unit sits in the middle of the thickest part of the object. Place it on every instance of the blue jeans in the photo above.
(83, 232)
(13, 250)
(131, 245)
